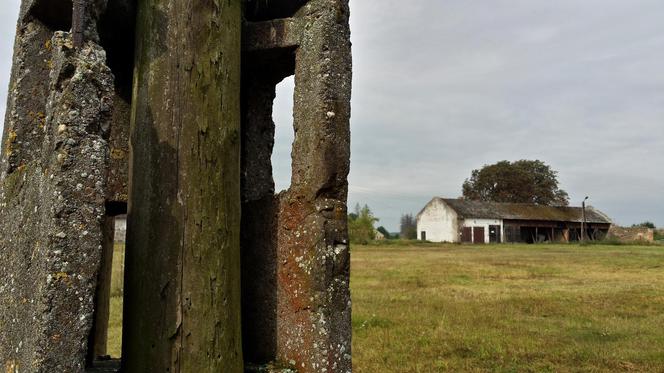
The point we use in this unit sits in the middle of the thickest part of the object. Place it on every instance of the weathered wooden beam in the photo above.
(78, 22)
(182, 285)
(274, 34)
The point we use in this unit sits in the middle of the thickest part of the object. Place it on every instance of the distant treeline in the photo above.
(362, 229)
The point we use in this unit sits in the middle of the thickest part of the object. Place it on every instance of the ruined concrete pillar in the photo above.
(202, 138)
(54, 186)
(54, 169)
(296, 243)
(182, 288)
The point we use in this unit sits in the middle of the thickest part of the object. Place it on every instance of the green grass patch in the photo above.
(508, 308)
(498, 308)
(114, 345)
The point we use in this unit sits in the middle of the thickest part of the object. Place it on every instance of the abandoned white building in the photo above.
(458, 220)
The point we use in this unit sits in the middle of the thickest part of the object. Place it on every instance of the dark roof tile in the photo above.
(524, 211)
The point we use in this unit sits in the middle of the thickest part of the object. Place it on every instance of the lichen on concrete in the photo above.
(64, 166)
(51, 205)
(296, 260)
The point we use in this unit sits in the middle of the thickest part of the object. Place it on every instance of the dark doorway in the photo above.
(478, 235)
(536, 234)
(494, 234)
(467, 235)
(529, 235)
(424, 235)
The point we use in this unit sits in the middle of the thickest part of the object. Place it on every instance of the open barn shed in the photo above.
(459, 220)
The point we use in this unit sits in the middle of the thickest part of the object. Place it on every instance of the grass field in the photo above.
(508, 308)
(115, 318)
(544, 308)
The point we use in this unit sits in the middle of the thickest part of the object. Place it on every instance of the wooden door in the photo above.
(494, 234)
(467, 235)
(478, 235)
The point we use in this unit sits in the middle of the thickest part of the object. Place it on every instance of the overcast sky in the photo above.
(445, 86)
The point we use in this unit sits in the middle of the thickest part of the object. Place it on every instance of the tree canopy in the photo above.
(523, 181)
(408, 227)
(645, 224)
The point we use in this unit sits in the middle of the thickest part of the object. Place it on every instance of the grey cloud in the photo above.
(442, 87)
(445, 87)
(8, 17)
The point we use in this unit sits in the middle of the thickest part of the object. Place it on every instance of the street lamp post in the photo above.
(583, 221)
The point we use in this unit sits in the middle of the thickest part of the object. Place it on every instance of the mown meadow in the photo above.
(501, 308)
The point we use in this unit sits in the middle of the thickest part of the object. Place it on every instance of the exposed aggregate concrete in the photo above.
(296, 259)
(51, 206)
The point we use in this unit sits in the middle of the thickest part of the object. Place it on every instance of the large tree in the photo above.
(523, 181)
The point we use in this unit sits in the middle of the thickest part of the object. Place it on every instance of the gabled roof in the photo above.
(524, 211)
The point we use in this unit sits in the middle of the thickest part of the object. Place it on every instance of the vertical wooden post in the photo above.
(182, 284)
(78, 23)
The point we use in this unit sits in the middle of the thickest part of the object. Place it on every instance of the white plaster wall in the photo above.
(121, 228)
(485, 223)
(439, 222)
